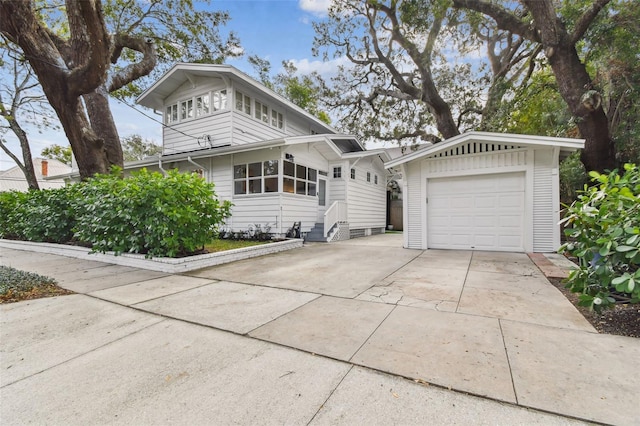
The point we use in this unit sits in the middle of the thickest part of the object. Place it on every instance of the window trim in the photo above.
(218, 101)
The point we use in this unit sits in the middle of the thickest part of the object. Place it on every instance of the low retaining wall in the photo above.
(160, 264)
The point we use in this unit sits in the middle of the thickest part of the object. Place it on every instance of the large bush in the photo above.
(37, 215)
(149, 213)
(10, 214)
(603, 228)
(146, 213)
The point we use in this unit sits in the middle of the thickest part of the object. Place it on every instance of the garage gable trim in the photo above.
(494, 139)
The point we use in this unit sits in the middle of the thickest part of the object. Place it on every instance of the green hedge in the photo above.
(146, 213)
(603, 228)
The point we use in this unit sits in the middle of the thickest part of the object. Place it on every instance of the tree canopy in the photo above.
(426, 70)
(83, 51)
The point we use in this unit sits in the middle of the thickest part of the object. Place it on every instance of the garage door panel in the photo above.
(476, 212)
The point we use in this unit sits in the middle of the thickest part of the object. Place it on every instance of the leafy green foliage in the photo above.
(46, 215)
(146, 213)
(135, 148)
(149, 213)
(573, 178)
(304, 91)
(10, 214)
(604, 232)
(58, 152)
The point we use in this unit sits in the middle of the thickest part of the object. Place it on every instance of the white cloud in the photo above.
(315, 7)
(326, 69)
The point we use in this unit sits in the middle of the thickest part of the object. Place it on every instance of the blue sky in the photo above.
(276, 30)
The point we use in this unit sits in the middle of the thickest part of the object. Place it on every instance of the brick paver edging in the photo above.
(160, 264)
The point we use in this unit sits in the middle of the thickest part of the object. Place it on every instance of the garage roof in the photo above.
(565, 144)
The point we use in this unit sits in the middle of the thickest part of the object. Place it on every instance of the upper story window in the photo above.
(186, 109)
(243, 102)
(277, 119)
(368, 176)
(203, 105)
(337, 172)
(171, 114)
(268, 115)
(198, 106)
(262, 112)
(375, 179)
(353, 173)
(220, 100)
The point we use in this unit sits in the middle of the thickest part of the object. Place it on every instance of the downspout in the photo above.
(196, 164)
(164, 172)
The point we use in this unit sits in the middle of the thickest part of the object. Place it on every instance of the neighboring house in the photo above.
(484, 191)
(13, 178)
(275, 162)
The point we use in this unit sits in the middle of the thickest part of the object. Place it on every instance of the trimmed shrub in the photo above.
(11, 203)
(603, 228)
(149, 213)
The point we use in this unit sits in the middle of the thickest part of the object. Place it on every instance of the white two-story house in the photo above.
(275, 162)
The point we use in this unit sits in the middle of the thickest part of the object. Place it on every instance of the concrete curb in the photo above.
(160, 264)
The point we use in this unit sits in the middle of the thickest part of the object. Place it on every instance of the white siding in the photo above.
(256, 209)
(414, 205)
(337, 187)
(299, 208)
(278, 210)
(189, 135)
(544, 204)
(221, 174)
(247, 129)
(366, 201)
(183, 136)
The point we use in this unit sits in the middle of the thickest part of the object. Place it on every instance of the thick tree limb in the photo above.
(504, 19)
(90, 42)
(587, 17)
(133, 71)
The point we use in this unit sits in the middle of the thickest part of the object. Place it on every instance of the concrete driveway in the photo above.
(325, 334)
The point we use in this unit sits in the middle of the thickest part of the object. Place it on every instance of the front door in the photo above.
(322, 198)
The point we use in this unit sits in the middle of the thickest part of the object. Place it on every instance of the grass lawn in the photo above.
(222, 245)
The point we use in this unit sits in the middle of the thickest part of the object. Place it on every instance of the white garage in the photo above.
(484, 191)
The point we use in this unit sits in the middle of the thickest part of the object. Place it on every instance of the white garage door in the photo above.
(484, 212)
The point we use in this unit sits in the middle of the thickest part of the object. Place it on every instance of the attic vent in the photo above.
(474, 148)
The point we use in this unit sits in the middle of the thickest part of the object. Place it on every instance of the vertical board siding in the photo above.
(415, 204)
(543, 203)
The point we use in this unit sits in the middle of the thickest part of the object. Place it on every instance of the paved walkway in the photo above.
(356, 332)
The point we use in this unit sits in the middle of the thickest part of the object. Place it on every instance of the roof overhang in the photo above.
(566, 145)
(273, 143)
(179, 73)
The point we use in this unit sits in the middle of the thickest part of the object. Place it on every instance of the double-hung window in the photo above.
(203, 106)
(220, 100)
(186, 109)
(262, 112)
(171, 114)
(243, 102)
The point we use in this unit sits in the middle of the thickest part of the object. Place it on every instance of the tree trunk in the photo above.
(102, 123)
(27, 167)
(64, 83)
(575, 87)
